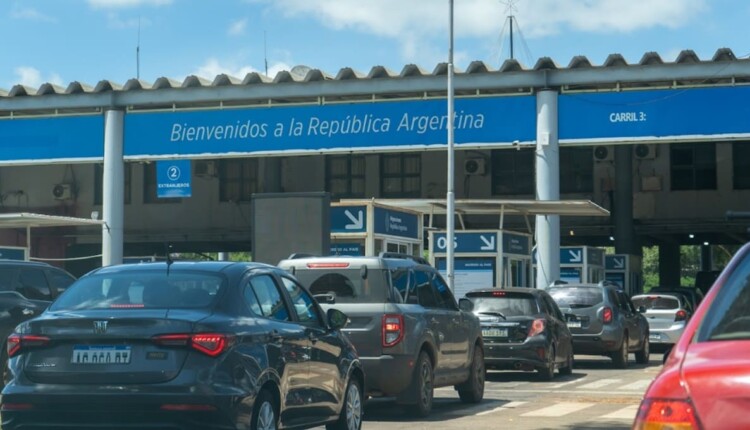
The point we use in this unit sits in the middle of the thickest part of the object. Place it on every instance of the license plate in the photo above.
(574, 324)
(101, 354)
(495, 332)
(654, 336)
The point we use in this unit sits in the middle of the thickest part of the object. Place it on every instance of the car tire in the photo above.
(568, 368)
(472, 391)
(264, 412)
(5, 376)
(352, 409)
(620, 357)
(547, 372)
(644, 354)
(423, 386)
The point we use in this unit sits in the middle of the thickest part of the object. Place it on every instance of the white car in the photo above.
(667, 315)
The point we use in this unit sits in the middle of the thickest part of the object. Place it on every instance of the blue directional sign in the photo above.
(173, 179)
(515, 244)
(466, 242)
(572, 255)
(615, 262)
(352, 249)
(348, 219)
(11, 253)
(396, 223)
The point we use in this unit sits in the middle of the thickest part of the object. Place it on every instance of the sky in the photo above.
(63, 41)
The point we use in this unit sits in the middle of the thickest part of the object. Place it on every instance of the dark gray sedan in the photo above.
(187, 345)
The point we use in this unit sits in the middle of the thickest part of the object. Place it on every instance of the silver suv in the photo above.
(410, 335)
(603, 321)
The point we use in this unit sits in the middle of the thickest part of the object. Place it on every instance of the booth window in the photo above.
(345, 176)
(576, 170)
(512, 172)
(149, 186)
(693, 166)
(400, 175)
(238, 179)
(99, 183)
(741, 165)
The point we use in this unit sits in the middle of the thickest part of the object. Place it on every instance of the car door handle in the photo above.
(313, 337)
(275, 337)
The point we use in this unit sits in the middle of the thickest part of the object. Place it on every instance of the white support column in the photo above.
(547, 188)
(113, 188)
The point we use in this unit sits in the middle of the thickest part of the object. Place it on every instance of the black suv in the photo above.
(405, 323)
(26, 289)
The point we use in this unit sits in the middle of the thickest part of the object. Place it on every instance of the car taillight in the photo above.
(393, 330)
(211, 344)
(607, 315)
(327, 265)
(681, 315)
(537, 327)
(19, 342)
(664, 414)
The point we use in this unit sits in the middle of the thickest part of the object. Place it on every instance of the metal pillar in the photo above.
(113, 188)
(626, 241)
(669, 265)
(707, 260)
(547, 188)
(223, 256)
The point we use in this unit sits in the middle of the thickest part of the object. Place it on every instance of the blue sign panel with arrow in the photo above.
(348, 219)
(614, 262)
(466, 242)
(571, 255)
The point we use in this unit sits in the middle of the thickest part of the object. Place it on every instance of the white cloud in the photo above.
(116, 22)
(418, 23)
(115, 4)
(32, 77)
(237, 28)
(30, 14)
(213, 67)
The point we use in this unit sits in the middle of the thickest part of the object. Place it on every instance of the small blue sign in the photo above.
(595, 256)
(348, 219)
(571, 255)
(515, 244)
(173, 179)
(396, 223)
(466, 242)
(615, 262)
(570, 274)
(352, 249)
(12, 253)
(617, 278)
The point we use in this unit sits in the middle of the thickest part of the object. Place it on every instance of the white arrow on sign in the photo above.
(358, 222)
(619, 263)
(489, 245)
(576, 256)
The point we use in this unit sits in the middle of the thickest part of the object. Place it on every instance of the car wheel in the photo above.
(620, 357)
(568, 368)
(472, 391)
(423, 384)
(264, 413)
(547, 372)
(351, 411)
(643, 356)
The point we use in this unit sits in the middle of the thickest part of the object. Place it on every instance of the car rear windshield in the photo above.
(577, 297)
(344, 285)
(139, 290)
(508, 304)
(656, 302)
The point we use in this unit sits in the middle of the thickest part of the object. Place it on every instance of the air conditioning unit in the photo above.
(62, 191)
(475, 166)
(205, 168)
(603, 153)
(644, 151)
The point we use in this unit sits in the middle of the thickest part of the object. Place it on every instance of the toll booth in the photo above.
(368, 228)
(484, 259)
(626, 271)
(580, 264)
(14, 253)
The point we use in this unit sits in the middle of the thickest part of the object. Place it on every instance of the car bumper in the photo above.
(387, 375)
(607, 341)
(522, 356)
(666, 336)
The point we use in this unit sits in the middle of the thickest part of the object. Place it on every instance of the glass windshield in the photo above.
(727, 318)
(576, 297)
(656, 302)
(139, 290)
(508, 306)
(344, 285)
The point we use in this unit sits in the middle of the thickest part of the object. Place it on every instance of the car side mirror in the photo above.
(465, 305)
(337, 319)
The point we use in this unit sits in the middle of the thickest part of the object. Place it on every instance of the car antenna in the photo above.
(168, 249)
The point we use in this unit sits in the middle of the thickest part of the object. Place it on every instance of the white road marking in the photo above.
(599, 384)
(559, 410)
(637, 385)
(509, 405)
(575, 381)
(626, 413)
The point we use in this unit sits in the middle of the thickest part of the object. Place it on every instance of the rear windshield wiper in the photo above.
(578, 305)
(494, 314)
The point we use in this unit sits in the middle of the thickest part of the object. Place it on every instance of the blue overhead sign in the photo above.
(571, 255)
(637, 115)
(466, 242)
(12, 253)
(61, 138)
(396, 223)
(173, 179)
(348, 219)
(515, 244)
(595, 256)
(615, 262)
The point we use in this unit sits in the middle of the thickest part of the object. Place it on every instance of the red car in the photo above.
(705, 382)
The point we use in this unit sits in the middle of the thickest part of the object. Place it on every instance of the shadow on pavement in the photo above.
(443, 409)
